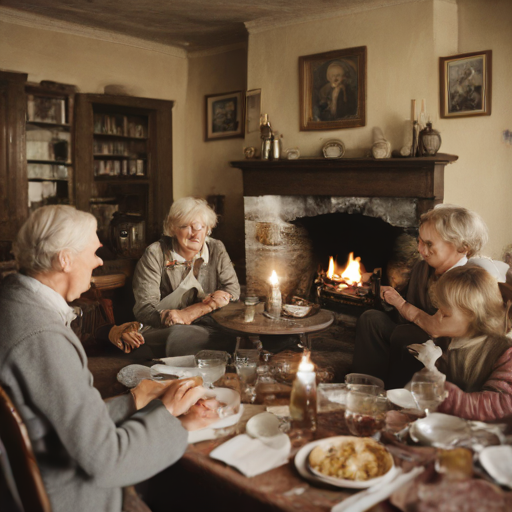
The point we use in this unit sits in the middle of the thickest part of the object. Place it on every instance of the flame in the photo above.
(352, 272)
(330, 270)
(274, 280)
(306, 365)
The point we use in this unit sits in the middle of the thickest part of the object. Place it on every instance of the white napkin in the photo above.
(384, 489)
(180, 361)
(250, 456)
(182, 373)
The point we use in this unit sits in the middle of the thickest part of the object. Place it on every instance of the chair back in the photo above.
(22, 460)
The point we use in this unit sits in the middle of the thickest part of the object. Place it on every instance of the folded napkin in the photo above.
(379, 492)
(179, 361)
(251, 456)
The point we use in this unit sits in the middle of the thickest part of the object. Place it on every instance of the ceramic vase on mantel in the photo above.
(429, 141)
(381, 147)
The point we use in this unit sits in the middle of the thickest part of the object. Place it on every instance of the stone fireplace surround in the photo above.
(276, 193)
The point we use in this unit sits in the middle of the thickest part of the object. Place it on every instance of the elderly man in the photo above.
(86, 449)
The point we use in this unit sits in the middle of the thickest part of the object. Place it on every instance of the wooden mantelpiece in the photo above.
(421, 178)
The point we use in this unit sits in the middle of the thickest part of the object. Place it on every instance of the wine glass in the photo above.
(427, 388)
(212, 366)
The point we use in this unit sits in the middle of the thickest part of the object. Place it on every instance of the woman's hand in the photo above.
(391, 296)
(217, 299)
(133, 339)
(180, 396)
(147, 390)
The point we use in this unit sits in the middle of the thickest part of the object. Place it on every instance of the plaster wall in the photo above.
(90, 64)
(208, 169)
(404, 43)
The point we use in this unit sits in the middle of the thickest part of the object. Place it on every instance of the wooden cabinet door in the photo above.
(13, 166)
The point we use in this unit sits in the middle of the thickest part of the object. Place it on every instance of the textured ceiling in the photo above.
(190, 24)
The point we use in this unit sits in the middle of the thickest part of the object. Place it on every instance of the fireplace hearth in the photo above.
(298, 213)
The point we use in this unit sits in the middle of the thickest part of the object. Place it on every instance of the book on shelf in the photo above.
(115, 124)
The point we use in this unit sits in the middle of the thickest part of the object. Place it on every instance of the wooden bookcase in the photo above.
(49, 143)
(123, 158)
(13, 165)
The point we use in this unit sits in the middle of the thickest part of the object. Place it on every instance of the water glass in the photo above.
(427, 388)
(211, 365)
(365, 413)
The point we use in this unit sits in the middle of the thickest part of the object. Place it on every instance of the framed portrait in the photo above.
(465, 84)
(333, 89)
(224, 115)
(252, 110)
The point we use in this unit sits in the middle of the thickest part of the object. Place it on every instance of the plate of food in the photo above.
(345, 461)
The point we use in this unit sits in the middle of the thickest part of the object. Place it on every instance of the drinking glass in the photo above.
(246, 364)
(211, 365)
(365, 413)
(428, 394)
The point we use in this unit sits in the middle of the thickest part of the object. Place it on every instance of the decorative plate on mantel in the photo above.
(333, 149)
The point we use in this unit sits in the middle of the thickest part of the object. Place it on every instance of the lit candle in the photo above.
(303, 397)
(274, 302)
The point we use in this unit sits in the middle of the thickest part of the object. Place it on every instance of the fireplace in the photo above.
(299, 213)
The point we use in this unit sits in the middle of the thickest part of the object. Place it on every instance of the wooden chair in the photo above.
(22, 461)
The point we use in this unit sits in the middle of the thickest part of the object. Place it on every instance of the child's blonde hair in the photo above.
(476, 293)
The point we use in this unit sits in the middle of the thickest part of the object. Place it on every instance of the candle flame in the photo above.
(274, 280)
(352, 273)
(330, 270)
(306, 365)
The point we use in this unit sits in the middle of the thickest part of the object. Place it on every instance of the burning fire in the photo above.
(351, 274)
(306, 365)
(274, 280)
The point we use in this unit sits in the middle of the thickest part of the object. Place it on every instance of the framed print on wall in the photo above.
(465, 82)
(333, 89)
(224, 115)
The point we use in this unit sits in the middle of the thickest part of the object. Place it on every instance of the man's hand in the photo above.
(200, 415)
(170, 317)
(148, 390)
(217, 299)
(180, 396)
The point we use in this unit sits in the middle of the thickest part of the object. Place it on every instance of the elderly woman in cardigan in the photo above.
(86, 449)
(180, 279)
(448, 236)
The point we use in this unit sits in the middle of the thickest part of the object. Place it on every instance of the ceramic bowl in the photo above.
(296, 311)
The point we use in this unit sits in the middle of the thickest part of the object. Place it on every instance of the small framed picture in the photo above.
(333, 89)
(465, 84)
(252, 110)
(224, 115)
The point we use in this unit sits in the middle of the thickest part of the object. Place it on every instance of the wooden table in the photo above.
(242, 320)
(200, 483)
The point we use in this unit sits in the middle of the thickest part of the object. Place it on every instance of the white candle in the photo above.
(275, 301)
(413, 110)
(303, 397)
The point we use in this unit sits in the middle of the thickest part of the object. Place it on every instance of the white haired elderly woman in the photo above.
(180, 279)
(86, 449)
(448, 236)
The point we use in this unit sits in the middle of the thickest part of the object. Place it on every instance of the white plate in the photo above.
(402, 397)
(333, 149)
(497, 461)
(440, 430)
(301, 463)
